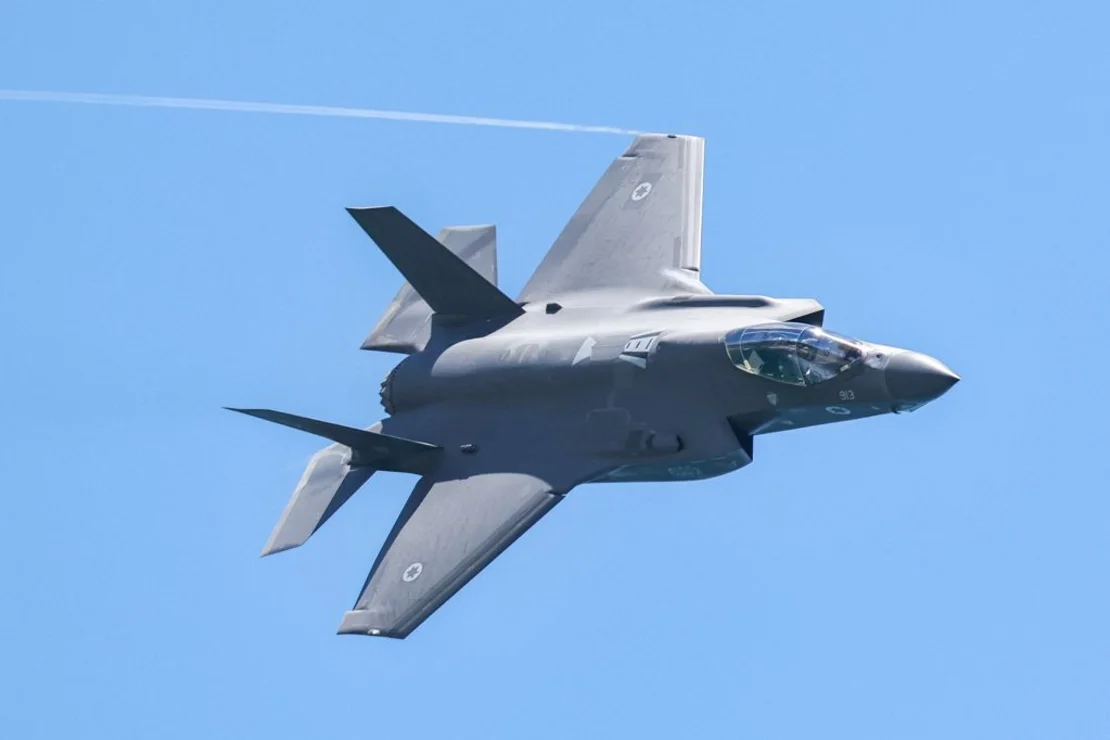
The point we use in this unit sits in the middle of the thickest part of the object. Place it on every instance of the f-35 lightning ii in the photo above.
(615, 364)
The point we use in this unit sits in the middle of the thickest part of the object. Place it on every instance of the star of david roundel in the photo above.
(641, 191)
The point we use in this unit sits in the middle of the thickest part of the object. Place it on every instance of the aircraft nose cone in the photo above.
(916, 378)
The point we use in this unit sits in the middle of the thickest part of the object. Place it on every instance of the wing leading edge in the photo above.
(638, 232)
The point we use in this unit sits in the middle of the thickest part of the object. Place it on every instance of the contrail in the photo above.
(240, 106)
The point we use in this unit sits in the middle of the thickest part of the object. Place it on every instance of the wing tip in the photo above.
(273, 548)
(361, 622)
(648, 142)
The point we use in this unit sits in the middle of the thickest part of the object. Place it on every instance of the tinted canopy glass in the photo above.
(797, 354)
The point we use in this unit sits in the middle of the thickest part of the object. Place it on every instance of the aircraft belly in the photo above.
(676, 470)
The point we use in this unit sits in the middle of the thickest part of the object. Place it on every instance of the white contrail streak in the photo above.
(240, 106)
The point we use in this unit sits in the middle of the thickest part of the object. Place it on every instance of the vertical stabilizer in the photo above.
(445, 282)
(404, 327)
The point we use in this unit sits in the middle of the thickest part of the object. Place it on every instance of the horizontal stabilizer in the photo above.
(368, 449)
(442, 278)
(328, 482)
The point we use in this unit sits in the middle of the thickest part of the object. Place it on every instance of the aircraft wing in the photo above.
(448, 531)
(473, 505)
(638, 233)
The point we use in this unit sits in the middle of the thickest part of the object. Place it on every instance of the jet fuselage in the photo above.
(653, 390)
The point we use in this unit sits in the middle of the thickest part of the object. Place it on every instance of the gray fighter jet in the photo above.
(615, 364)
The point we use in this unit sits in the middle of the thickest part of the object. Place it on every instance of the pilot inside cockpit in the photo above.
(796, 354)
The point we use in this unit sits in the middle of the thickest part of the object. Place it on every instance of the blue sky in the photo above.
(934, 173)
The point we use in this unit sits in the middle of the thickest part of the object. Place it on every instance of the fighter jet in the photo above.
(614, 364)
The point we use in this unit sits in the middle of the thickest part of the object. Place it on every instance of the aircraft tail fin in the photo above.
(405, 326)
(445, 282)
(336, 472)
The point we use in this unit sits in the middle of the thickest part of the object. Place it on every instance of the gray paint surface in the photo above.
(405, 325)
(639, 230)
(615, 364)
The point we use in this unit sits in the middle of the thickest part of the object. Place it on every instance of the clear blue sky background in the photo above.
(935, 173)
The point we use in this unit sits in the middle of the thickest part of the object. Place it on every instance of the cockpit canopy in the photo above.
(798, 354)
